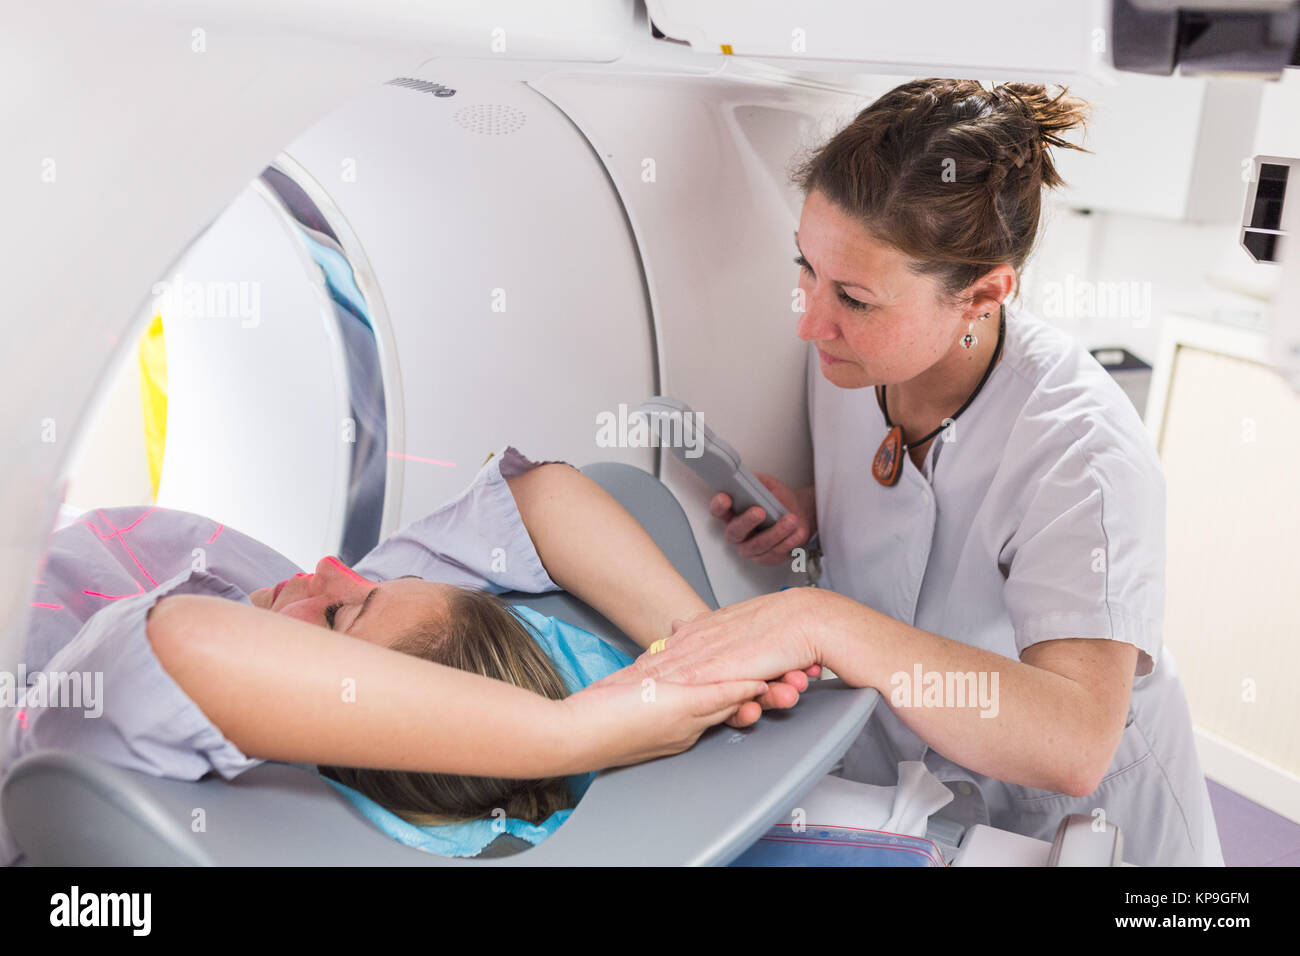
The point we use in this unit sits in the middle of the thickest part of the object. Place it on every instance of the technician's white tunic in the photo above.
(1041, 517)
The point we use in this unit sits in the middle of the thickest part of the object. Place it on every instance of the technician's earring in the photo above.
(968, 341)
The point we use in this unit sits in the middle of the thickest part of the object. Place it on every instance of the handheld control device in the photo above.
(683, 431)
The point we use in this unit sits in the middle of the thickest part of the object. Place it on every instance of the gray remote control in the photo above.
(693, 442)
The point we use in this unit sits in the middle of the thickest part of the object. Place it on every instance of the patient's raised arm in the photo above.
(594, 549)
(282, 689)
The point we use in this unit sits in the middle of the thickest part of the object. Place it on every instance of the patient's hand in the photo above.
(624, 719)
(780, 694)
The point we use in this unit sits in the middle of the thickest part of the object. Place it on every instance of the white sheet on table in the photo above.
(904, 808)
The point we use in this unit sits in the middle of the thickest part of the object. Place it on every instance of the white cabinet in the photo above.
(1165, 147)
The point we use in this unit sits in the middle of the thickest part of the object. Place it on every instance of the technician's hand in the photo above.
(782, 693)
(626, 719)
(773, 546)
(776, 637)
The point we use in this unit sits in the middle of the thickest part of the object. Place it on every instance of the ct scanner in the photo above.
(399, 206)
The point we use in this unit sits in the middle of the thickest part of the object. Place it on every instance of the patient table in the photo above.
(701, 807)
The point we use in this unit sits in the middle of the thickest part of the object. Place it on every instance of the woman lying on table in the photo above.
(209, 665)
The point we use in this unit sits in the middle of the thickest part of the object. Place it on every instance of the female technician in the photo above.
(990, 509)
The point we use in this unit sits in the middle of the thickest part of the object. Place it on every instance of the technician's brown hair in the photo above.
(949, 173)
(478, 633)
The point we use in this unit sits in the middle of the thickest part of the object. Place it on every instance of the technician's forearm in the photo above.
(281, 689)
(594, 549)
(1041, 728)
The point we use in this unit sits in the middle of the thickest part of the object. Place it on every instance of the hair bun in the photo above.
(882, 171)
(1050, 117)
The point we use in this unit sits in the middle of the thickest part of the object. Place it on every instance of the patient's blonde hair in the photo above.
(478, 633)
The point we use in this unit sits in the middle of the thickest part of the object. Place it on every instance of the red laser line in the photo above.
(128, 549)
(116, 597)
(428, 461)
(345, 569)
(136, 521)
(102, 536)
(116, 532)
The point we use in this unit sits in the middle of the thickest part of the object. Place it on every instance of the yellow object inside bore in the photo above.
(152, 354)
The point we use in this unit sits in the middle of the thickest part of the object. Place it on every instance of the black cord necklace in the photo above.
(888, 463)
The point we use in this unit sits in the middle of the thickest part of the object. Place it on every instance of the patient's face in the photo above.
(338, 598)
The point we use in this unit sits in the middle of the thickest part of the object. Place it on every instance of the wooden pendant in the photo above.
(888, 463)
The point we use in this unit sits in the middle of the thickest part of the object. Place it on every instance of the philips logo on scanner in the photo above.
(102, 909)
(667, 429)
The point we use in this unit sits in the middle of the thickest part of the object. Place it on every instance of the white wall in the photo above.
(1195, 269)
(110, 465)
